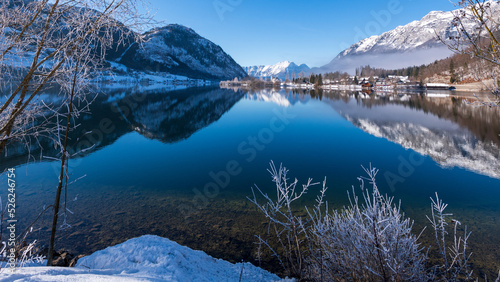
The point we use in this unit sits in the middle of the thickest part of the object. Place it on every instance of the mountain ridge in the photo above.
(172, 49)
(177, 49)
(415, 43)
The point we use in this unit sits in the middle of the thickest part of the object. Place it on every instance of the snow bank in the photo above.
(147, 258)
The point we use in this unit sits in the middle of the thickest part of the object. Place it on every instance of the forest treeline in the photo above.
(458, 68)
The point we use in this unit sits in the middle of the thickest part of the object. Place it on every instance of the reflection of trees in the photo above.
(483, 122)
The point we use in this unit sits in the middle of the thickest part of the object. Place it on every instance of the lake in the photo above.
(181, 163)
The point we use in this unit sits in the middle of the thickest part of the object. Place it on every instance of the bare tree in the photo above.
(44, 43)
(40, 42)
(476, 34)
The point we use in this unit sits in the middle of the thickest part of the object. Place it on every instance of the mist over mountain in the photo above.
(416, 43)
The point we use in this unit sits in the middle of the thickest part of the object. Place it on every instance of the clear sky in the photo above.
(259, 32)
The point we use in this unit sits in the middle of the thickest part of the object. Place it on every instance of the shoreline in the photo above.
(145, 258)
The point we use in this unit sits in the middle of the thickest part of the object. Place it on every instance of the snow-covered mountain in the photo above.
(279, 70)
(416, 43)
(173, 49)
(177, 49)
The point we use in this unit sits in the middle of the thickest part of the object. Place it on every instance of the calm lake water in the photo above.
(180, 164)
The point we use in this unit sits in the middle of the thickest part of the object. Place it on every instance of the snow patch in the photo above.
(146, 258)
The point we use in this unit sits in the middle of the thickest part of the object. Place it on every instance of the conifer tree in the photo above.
(319, 80)
(453, 76)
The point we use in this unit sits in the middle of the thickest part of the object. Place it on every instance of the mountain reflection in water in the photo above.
(154, 151)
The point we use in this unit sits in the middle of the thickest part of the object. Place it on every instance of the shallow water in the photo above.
(180, 164)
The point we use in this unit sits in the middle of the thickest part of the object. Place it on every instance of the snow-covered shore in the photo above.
(119, 75)
(146, 258)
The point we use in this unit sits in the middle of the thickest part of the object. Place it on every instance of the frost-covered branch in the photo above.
(38, 47)
(369, 240)
(475, 33)
(288, 229)
(456, 258)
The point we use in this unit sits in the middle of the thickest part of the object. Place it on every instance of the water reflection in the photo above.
(169, 117)
(450, 131)
(155, 151)
(445, 127)
(279, 98)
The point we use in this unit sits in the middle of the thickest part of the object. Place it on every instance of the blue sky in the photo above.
(258, 32)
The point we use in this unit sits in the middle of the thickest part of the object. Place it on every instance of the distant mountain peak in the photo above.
(279, 70)
(283, 63)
